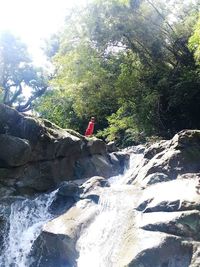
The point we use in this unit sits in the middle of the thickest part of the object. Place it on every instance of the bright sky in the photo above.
(34, 20)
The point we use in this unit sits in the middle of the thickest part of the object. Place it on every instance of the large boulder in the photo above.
(14, 151)
(56, 245)
(170, 158)
(167, 229)
(36, 155)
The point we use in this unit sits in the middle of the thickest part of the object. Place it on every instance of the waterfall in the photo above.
(25, 224)
(100, 243)
(135, 163)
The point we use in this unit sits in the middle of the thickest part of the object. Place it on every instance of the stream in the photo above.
(98, 246)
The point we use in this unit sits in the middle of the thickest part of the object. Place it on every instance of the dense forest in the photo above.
(133, 64)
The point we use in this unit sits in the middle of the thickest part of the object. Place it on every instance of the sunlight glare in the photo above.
(34, 20)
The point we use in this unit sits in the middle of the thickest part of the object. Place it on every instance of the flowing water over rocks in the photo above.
(102, 242)
(25, 224)
(147, 217)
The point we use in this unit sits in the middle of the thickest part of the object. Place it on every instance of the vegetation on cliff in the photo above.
(133, 64)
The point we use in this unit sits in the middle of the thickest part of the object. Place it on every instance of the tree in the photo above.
(18, 75)
(130, 58)
(57, 107)
(145, 29)
(194, 41)
(85, 77)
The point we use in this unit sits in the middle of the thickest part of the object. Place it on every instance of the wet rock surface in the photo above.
(151, 217)
(162, 222)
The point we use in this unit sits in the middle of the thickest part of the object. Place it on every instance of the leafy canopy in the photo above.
(127, 62)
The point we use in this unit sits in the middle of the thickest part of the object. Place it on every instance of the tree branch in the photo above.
(135, 49)
(161, 15)
(16, 94)
(28, 105)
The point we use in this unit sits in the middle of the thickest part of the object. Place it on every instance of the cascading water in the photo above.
(135, 163)
(100, 244)
(25, 223)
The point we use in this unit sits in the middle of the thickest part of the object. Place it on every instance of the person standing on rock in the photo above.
(90, 129)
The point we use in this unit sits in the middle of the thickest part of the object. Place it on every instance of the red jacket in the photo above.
(90, 129)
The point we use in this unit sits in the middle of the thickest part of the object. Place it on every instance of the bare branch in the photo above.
(161, 15)
(28, 105)
(16, 94)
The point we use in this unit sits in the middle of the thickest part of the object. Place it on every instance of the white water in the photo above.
(26, 220)
(135, 163)
(99, 245)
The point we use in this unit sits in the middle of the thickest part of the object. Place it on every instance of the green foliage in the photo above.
(86, 78)
(194, 41)
(58, 108)
(122, 129)
(126, 62)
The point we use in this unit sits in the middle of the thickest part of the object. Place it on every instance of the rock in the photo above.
(92, 188)
(183, 224)
(9, 119)
(98, 164)
(155, 178)
(171, 211)
(120, 160)
(173, 157)
(175, 195)
(186, 138)
(156, 148)
(67, 194)
(6, 191)
(53, 250)
(170, 251)
(111, 147)
(36, 155)
(96, 146)
(69, 189)
(93, 183)
(14, 151)
(56, 245)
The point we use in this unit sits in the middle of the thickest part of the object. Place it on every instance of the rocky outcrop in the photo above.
(159, 210)
(36, 155)
(56, 246)
(166, 160)
(150, 219)
(169, 219)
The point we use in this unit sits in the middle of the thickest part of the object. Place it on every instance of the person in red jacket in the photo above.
(90, 129)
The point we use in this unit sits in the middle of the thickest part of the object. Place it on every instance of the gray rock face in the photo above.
(157, 224)
(171, 252)
(56, 246)
(111, 147)
(36, 155)
(170, 158)
(160, 216)
(14, 151)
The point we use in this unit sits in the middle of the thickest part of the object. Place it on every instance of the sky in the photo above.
(34, 20)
